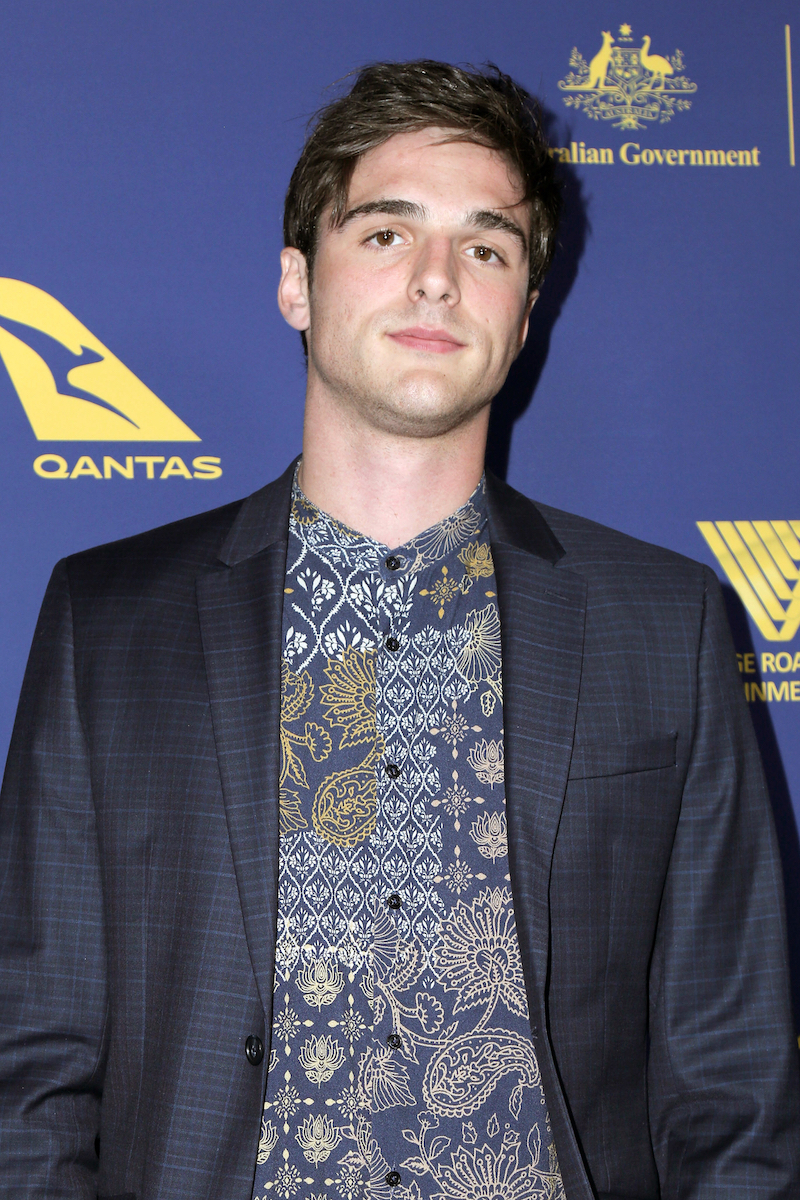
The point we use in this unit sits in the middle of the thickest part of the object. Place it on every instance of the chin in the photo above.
(420, 417)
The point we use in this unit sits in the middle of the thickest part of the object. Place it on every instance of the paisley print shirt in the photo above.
(402, 1065)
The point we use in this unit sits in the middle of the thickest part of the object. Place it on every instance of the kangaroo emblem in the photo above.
(599, 64)
(653, 62)
(626, 84)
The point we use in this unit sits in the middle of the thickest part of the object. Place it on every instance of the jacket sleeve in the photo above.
(52, 955)
(723, 1070)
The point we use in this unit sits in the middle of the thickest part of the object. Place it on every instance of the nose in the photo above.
(434, 277)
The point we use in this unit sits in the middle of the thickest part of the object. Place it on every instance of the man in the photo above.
(521, 934)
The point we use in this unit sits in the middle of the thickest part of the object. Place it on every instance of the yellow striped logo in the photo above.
(762, 561)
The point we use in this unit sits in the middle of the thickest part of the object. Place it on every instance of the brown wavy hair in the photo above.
(483, 106)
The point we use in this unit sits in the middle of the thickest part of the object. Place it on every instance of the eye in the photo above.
(385, 238)
(484, 254)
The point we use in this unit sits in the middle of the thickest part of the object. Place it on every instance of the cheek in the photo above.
(504, 316)
(331, 308)
(359, 283)
(346, 304)
(498, 302)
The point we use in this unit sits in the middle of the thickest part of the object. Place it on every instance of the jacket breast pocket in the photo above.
(594, 760)
(610, 860)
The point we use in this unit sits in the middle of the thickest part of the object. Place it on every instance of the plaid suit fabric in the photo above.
(666, 945)
(138, 867)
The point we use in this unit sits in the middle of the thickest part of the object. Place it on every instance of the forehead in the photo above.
(429, 160)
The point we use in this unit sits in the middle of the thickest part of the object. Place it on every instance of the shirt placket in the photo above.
(390, 879)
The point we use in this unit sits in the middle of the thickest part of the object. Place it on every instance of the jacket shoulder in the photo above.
(183, 547)
(180, 551)
(575, 543)
(588, 544)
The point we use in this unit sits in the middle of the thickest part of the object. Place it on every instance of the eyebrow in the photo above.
(391, 208)
(488, 218)
(481, 218)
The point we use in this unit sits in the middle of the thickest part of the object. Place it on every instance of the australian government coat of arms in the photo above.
(626, 84)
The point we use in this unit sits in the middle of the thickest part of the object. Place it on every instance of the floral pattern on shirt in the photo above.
(402, 1065)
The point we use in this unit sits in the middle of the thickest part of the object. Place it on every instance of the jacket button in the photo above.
(393, 1178)
(392, 644)
(392, 770)
(254, 1049)
(394, 901)
(394, 1041)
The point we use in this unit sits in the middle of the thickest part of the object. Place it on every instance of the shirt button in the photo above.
(394, 901)
(393, 1178)
(392, 644)
(394, 563)
(392, 770)
(254, 1049)
(394, 1041)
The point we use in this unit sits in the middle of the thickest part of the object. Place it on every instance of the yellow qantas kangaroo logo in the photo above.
(71, 386)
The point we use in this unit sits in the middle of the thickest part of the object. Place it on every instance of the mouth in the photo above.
(429, 341)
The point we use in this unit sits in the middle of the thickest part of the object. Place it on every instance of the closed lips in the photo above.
(420, 338)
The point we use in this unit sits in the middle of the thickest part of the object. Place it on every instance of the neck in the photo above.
(389, 487)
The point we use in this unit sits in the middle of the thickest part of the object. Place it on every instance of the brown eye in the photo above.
(385, 237)
(483, 253)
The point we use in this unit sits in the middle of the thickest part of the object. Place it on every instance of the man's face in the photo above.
(419, 301)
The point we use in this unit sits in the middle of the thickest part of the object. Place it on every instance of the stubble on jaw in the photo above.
(402, 411)
(416, 403)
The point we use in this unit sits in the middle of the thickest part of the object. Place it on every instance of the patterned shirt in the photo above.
(402, 1064)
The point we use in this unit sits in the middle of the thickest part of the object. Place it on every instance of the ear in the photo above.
(293, 289)
(523, 331)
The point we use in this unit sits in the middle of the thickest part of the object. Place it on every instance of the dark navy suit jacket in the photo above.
(138, 869)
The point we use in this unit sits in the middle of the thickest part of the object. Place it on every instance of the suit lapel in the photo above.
(240, 606)
(542, 615)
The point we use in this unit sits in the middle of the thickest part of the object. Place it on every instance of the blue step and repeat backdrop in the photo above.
(146, 374)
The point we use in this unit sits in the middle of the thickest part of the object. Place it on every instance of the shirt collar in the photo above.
(424, 550)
